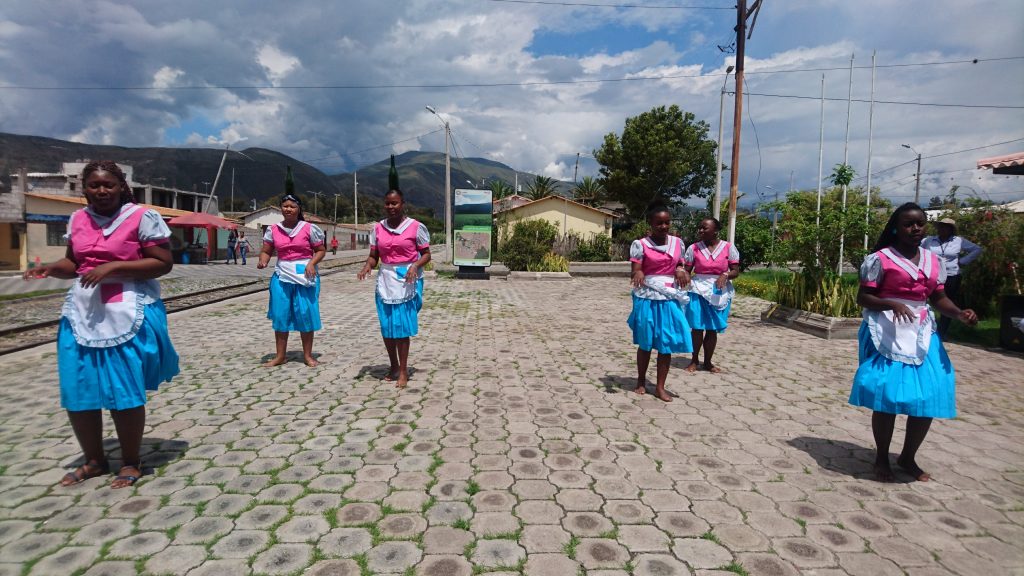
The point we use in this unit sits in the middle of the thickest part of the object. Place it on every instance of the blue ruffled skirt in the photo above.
(889, 386)
(294, 308)
(660, 325)
(116, 378)
(704, 316)
(400, 320)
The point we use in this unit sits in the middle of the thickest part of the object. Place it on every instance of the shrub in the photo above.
(530, 241)
(757, 287)
(551, 262)
(597, 249)
(829, 294)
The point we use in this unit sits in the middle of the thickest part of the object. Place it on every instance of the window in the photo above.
(55, 233)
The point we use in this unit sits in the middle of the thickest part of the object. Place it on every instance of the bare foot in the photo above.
(883, 473)
(641, 387)
(276, 361)
(392, 374)
(311, 362)
(403, 379)
(663, 395)
(712, 368)
(691, 367)
(911, 467)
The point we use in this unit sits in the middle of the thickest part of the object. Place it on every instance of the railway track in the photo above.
(17, 338)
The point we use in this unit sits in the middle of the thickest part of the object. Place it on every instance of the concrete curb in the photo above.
(826, 327)
(539, 276)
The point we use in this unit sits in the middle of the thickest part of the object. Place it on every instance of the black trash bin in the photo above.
(1010, 336)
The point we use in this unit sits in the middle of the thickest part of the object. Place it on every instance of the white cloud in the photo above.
(276, 63)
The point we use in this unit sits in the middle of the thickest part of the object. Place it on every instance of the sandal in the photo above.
(90, 469)
(127, 480)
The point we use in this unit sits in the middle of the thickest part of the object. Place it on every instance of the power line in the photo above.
(483, 84)
(900, 102)
(943, 154)
(595, 5)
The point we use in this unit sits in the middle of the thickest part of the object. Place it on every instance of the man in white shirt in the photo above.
(949, 248)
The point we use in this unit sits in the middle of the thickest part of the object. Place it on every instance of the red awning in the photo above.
(1007, 164)
(201, 220)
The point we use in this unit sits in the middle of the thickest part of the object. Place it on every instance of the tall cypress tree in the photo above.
(393, 175)
(289, 182)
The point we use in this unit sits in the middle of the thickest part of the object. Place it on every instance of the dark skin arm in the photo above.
(867, 297)
(318, 254)
(413, 272)
(155, 262)
(265, 254)
(371, 263)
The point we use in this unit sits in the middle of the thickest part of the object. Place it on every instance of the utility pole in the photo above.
(737, 117)
(917, 186)
(355, 198)
(232, 206)
(871, 133)
(576, 172)
(846, 156)
(716, 208)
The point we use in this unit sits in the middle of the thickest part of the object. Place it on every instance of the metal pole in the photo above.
(846, 152)
(716, 209)
(871, 131)
(737, 117)
(447, 194)
(217, 179)
(576, 172)
(917, 187)
(355, 198)
(821, 156)
(232, 207)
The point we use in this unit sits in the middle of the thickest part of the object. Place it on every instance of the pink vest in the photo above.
(91, 248)
(398, 248)
(704, 265)
(660, 263)
(298, 247)
(898, 283)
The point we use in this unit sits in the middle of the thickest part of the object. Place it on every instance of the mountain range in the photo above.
(259, 173)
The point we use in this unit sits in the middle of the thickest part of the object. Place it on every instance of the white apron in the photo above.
(105, 315)
(391, 285)
(704, 285)
(294, 271)
(661, 287)
(905, 342)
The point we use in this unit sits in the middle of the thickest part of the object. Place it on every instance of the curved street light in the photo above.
(447, 186)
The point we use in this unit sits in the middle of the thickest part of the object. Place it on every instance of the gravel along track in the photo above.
(32, 321)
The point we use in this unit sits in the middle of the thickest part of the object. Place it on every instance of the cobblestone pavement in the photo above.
(519, 448)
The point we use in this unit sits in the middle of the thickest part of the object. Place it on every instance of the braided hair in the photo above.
(127, 196)
(888, 235)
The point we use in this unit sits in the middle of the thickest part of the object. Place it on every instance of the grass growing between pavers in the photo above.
(735, 568)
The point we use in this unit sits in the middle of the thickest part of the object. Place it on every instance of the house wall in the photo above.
(10, 257)
(565, 216)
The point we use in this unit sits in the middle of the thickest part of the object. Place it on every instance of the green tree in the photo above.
(530, 241)
(589, 191)
(500, 189)
(936, 203)
(663, 155)
(842, 175)
(541, 187)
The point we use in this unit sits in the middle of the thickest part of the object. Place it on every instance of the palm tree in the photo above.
(500, 189)
(541, 187)
(589, 191)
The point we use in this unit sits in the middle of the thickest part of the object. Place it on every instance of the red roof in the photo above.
(1006, 164)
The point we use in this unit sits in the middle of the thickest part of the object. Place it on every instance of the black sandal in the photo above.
(129, 479)
(90, 469)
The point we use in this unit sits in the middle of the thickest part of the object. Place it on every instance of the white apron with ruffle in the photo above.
(391, 285)
(105, 315)
(661, 287)
(294, 271)
(905, 342)
(704, 285)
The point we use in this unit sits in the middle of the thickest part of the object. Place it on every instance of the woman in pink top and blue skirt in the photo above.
(712, 263)
(402, 247)
(904, 368)
(112, 343)
(658, 320)
(295, 285)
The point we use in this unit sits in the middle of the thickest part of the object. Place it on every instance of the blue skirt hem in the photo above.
(294, 308)
(892, 387)
(703, 316)
(660, 325)
(400, 320)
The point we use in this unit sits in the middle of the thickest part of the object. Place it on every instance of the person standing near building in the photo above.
(334, 245)
(949, 247)
(232, 247)
(243, 246)
(112, 344)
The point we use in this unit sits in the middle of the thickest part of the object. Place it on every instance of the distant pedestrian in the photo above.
(949, 247)
(658, 319)
(334, 245)
(402, 246)
(903, 368)
(713, 264)
(232, 248)
(112, 343)
(243, 246)
(295, 285)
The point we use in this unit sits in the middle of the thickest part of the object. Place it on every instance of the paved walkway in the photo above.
(518, 448)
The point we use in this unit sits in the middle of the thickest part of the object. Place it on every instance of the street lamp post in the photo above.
(917, 186)
(716, 209)
(447, 187)
(775, 214)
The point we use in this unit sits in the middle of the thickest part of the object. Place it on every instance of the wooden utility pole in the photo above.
(737, 118)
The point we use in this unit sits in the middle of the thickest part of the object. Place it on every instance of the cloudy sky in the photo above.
(530, 84)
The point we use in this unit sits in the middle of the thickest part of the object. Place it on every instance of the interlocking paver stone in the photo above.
(567, 467)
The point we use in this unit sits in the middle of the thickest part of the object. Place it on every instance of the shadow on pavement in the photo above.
(379, 371)
(844, 457)
(155, 452)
